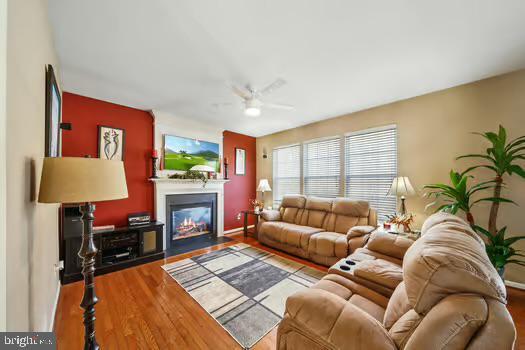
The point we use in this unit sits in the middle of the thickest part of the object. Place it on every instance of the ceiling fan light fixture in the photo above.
(252, 111)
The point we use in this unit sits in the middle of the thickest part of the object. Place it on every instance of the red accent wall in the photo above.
(86, 114)
(241, 189)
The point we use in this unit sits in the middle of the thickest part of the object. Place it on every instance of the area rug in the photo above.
(243, 288)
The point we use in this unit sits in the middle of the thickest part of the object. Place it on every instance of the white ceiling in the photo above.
(337, 56)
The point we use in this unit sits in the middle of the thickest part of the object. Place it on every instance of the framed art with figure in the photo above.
(111, 143)
(53, 114)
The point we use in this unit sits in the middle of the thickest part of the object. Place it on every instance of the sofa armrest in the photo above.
(315, 316)
(271, 215)
(358, 231)
(389, 244)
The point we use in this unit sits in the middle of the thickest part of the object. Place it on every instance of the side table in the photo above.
(410, 235)
(246, 214)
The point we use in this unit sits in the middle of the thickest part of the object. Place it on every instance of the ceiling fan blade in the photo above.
(279, 106)
(222, 104)
(244, 94)
(272, 87)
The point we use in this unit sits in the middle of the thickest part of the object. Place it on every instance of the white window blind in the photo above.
(286, 172)
(322, 168)
(370, 167)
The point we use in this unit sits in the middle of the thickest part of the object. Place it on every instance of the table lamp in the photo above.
(84, 180)
(401, 187)
(264, 186)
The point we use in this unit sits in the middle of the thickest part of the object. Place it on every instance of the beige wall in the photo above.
(32, 229)
(3, 134)
(432, 130)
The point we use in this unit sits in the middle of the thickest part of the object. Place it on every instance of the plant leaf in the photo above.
(479, 166)
(502, 135)
(476, 156)
(511, 240)
(514, 143)
(494, 200)
(514, 168)
(481, 230)
(514, 261)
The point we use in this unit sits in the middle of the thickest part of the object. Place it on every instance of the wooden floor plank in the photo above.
(144, 308)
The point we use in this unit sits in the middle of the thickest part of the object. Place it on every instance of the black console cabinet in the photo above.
(118, 249)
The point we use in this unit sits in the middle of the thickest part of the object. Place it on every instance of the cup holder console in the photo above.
(346, 265)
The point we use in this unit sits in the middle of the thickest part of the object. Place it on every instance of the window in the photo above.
(370, 167)
(322, 168)
(286, 172)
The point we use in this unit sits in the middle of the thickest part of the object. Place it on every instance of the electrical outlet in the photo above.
(239, 216)
(59, 266)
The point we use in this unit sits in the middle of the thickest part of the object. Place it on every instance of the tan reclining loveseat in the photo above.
(320, 229)
(451, 297)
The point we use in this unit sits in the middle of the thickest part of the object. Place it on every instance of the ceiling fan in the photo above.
(252, 98)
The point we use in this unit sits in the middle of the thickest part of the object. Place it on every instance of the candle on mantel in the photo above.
(154, 154)
(226, 160)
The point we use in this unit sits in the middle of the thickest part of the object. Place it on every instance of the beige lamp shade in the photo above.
(401, 186)
(264, 186)
(77, 180)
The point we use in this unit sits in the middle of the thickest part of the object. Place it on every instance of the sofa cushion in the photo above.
(343, 223)
(389, 244)
(291, 234)
(328, 244)
(315, 217)
(358, 231)
(361, 254)
(367, 306)
(289, 214)
(321, 204)
(398, 305)
(453, 222)
(349, 207)
(380, 271)
(271, 215)
(445, 261)
(293, 201)
(345, 288)
(316, 211)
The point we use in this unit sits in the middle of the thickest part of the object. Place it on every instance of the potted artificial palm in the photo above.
(503, 159)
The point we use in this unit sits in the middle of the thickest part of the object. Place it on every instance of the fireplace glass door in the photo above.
(189, 221)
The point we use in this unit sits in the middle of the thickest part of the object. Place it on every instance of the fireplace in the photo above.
(190, 215)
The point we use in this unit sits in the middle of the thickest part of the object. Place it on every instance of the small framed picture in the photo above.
(240, 161)
(111, 143)
(53, 114)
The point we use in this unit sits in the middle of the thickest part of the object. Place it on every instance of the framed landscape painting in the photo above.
(181, 153)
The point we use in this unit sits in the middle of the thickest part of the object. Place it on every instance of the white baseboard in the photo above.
(237, 229)
(516, 285)
(55, 306)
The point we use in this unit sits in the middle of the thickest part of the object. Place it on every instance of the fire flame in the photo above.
(188, 222)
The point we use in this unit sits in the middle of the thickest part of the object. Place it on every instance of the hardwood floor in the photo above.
(144, 308)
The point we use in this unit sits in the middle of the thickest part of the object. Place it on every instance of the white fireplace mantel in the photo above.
(167, 186)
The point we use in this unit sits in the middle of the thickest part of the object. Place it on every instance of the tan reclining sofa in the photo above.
(378, 265)
(451, 297)
(320, 229)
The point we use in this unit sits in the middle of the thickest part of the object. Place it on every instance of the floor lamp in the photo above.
(84, 180)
